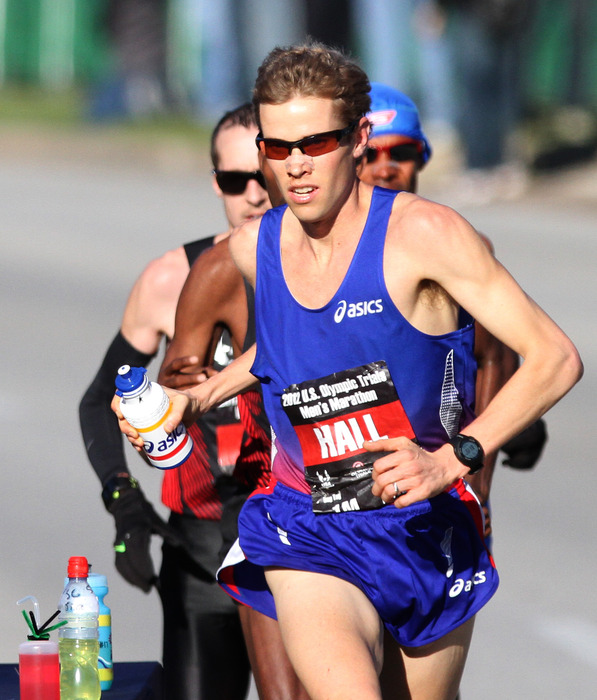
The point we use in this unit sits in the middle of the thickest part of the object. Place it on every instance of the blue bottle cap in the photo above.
(97, 581)
(129, 379)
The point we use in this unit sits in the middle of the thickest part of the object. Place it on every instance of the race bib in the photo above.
(332, 417)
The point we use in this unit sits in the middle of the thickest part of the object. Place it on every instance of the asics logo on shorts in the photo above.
(356, 309)
(461, 585)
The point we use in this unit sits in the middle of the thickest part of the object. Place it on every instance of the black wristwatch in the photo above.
(114, 486)
(468, 450)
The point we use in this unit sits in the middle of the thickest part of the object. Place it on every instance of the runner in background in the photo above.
(397, 152)
(212, 296)
(204, 654)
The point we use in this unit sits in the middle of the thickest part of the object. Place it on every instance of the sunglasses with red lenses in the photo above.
(236, 181)
(399, 153)
(314, 145)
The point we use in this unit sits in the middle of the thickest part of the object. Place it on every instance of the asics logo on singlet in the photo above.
(356, 309)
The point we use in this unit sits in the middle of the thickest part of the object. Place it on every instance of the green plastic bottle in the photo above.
(78, 640)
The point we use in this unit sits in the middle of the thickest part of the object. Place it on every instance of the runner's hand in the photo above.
(411, 469)
(184, 410)
(136, 521)
(524, 450)
(125, 427)
(184, 372)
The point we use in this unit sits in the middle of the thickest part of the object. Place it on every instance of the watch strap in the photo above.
(473, 464)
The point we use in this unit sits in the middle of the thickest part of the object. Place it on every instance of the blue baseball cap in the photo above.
(394, 114)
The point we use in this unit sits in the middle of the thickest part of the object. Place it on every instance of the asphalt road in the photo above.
(77, 225)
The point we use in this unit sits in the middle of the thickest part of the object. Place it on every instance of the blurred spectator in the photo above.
(436, 72)
(485, 36)
(384, 42)
(231, 37)
(405, 44)
(220, 82)
(138, 86)
(561, 82)
(329, 21)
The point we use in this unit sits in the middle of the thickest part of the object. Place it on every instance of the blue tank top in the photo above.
(360, 327)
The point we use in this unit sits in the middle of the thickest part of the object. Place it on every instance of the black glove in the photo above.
(136, 521)
(524, 450)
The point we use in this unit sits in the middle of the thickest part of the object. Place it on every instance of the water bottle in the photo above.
(39, 675)
(146, 405)
(99, 585)
(78, 640)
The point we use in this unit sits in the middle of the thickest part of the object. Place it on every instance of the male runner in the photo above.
(212, 296)
(203, 649)
(396, 152)
(352, 344)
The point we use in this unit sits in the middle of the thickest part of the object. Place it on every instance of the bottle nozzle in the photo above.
(129, 379)
(35, 606)
(38, 631)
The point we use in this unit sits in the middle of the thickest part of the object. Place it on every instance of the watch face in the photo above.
(469, 450)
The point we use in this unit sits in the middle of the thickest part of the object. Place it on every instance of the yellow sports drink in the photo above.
(79, 679)
(78, 640)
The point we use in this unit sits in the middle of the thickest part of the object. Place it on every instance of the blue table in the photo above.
(133, 680)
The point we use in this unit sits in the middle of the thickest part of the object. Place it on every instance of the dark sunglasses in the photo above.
(236, 181)
(399, 153)
(315, 145)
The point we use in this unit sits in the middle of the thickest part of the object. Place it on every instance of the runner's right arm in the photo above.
(144, 324)
(213, 298)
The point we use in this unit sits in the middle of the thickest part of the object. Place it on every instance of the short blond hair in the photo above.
(313, 70)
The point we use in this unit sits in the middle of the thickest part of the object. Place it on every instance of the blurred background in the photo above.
(518, 78)
(106, 107)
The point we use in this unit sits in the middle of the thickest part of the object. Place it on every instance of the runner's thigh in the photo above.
(432, 672)
(331, 631)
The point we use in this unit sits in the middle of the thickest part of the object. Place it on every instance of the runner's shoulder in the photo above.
(243, 246)
(426, 224)
(171, 267)
(162, 278)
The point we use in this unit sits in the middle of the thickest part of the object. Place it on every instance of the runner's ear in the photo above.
(216, 187)
(362, 137)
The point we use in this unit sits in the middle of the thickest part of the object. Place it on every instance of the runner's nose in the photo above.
(255, 194)
(297, 163)
(385, 170)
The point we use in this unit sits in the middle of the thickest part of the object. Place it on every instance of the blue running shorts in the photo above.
(425, 568)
